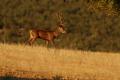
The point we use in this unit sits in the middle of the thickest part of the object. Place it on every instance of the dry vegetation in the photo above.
(41, 62)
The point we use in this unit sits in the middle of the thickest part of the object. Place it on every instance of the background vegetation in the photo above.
(90, 24)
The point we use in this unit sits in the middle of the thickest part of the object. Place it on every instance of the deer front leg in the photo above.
(53, 43)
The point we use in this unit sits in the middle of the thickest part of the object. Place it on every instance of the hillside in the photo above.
(24, 61)
(90, 24)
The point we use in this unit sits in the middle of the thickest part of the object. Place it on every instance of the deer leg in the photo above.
(55, 44)
(29, 41)
(52, 42)
(47, 43)
(32, 40)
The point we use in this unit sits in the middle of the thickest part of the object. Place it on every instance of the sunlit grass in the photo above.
(49, 62)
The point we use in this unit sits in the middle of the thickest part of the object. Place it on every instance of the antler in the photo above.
(60, 17)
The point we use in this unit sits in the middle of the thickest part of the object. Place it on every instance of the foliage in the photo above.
(91, 24)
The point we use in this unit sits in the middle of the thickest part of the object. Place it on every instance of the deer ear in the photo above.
(62, 25)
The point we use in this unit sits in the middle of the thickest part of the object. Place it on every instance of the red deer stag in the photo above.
(48, 36)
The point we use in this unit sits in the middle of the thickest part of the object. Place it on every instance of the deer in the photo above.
(47, 35)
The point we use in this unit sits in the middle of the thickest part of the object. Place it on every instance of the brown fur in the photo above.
(48, 36)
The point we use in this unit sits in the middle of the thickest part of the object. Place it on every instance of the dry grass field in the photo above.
(39, 62)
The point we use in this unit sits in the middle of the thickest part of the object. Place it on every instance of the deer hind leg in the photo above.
(31, 40)
(47, 42)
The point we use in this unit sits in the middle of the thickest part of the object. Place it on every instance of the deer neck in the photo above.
(56, 33)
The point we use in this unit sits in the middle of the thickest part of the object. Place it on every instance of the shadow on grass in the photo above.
(18, 78)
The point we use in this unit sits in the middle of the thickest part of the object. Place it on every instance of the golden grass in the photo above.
(39, 61)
